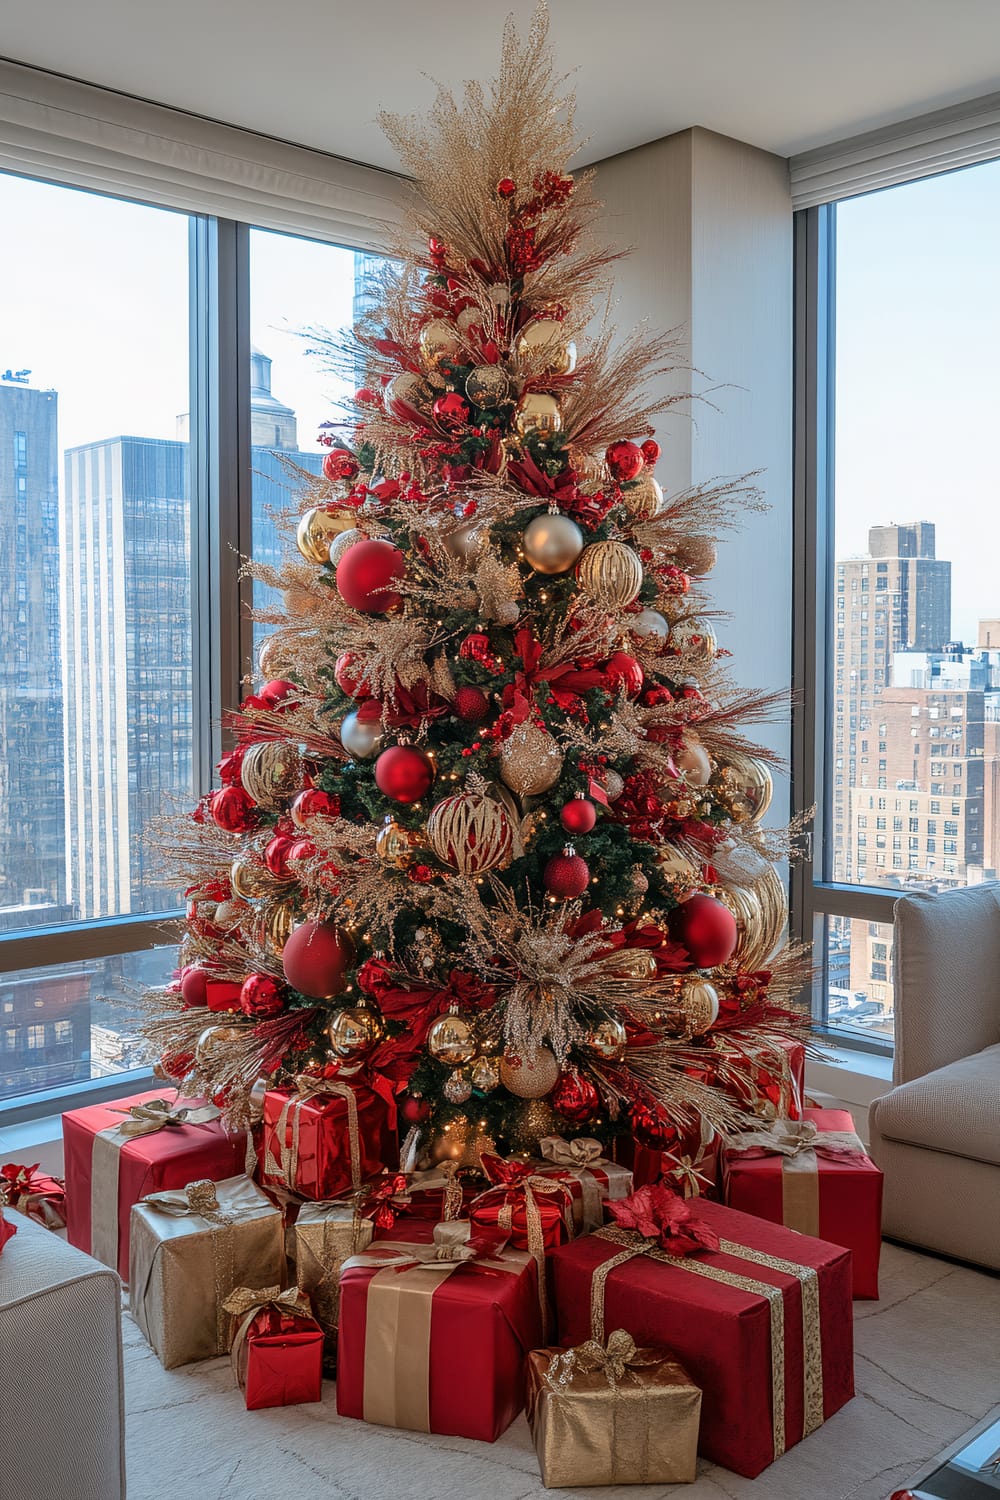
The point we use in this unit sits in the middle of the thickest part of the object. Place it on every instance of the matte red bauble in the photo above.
(365, 574)
(566, 875)
(232, 809)
(652, 1128)
(276, 856)
(650, 451)
(349, 677)
(404, 774)
(340, 463)
(316, 958)
(193, 984)
(471, 704)
(313, 803)
(578, 816)
(624, 671)
(625, 460)
(275, 692)
(413, 1111)
(706, 928)
(451, 410)
(261, 996)
(575, 1097)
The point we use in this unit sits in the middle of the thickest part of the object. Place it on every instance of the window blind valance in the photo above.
(83, 136)
(940, 142)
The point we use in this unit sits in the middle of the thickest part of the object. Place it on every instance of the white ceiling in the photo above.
(782, 74)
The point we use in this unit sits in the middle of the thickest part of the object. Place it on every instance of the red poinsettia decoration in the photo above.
(658, 1214)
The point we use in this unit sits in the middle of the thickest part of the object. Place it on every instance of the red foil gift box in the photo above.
(769, 1080)
(763, 1324)
(118, 1153)
(530, 1204)
(436, 1344)
(691, 1167)
(277, 1347)
(813, 1175)
(321, 1138)
(34, 1194)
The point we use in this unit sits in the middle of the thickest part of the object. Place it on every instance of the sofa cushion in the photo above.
(954, 1109)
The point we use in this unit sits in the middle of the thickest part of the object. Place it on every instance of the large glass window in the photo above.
(906, 700)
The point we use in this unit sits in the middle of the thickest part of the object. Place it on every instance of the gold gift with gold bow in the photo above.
(594, 1179)
(322, 1238)
(277, 1346)
(190, 1248)
(612, 1414)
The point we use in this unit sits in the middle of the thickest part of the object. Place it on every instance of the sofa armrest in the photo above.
(946, 972)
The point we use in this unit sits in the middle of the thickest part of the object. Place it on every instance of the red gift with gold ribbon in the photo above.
(34, 1194)
(758, 1315)
(592, 1178)
(434, 1330)
(533, 1206)
(322, 1137)
(812, 1175)
(691, 1167)
(277, 1347)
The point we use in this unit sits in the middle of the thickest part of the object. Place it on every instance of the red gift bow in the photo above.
(519, 696)
(388, 1197)
(530, 478)
(660, 1215)
(17, 1182)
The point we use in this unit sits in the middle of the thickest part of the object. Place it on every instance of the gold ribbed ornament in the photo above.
(469, 832)
(537, 413)
(695, 637)
(529, 1075)
(271, 771)
(644, 499)
(530, 760)
(317, 529)
(487, 385)
(761, 911)
(610, 573)
(440, 340)
(272, 925)
(633, 963)
(544, 337)
(249, 878)
(750, 784)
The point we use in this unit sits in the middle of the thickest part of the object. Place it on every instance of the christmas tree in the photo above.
(488, 839)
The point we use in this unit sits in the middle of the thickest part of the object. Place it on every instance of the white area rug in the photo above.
(927, 1368)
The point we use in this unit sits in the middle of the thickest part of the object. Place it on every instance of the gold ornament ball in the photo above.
(270, 772)
(538, 414)
(675, 867)
(215, 1042)
(761, 911)
(457, 1087)
(354, 1031)
(552, 543)
(649, 624)
(531, 1075)
(634, 963)
(644, 499)
(249, 878)
(751, 780)
(486, 1074)
(695, 637)
(396, 845)
(692, 760)
(316, 530)
(607, 1040)
(700, 1003)
(530, 760)
(469, 832)
(487, 385)
(452, 1041)
(610, 573)
(465, 543)
(440, 341)
(340, 544)
(409, 389)
(544, 338)
(271, 925)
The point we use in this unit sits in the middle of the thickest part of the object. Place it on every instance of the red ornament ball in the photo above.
(706, 928)
(575, 1097)
(232, 809)
(365, 574)
(625, 460)
(471, 704)
(316, 959)
(300, 849)
(413, 1111)
(578, 816)
(624, 671)
(506, 187)
(194, 986)
(229, 766)
(274, 694)
(261, 996)
(404, 774)
(451, 410)
(650, 451)
(340, 463)
(652, 1128)
(349, 677)
(566, 876)
(276, 856)
(313, 803)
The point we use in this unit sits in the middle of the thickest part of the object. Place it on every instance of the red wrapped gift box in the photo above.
(533, 1206)
(817, 1180)
(277, 1347)
(323, 1137)
(439, 1193)
(107, 1171)
(691, 1167)
(34, 1194)
(592, 1179)
(436, 1345)
(769, 1084)
(773, 1364)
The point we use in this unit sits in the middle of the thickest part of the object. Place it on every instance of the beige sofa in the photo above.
(936, 1134)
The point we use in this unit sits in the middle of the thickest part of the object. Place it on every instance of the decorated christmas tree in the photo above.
(489, 841)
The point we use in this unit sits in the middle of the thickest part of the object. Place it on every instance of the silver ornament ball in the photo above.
(360, 738)
(649, 622)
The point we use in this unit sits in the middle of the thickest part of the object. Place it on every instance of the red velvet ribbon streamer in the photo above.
(519, 696)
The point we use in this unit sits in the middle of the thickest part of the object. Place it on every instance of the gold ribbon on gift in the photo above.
(684, 1171)
(306, 1087)
(800, 1143)
(533, 1184)
(580, 1157)
(158, 1114)
(812, 1347)
(398, 1317)
(445, 1177)
(615, 1360)
(245, 1302)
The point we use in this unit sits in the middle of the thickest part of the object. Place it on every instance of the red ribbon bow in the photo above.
(658, 1214)
(386, 1199)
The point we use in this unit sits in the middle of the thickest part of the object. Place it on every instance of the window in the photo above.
(884, 502)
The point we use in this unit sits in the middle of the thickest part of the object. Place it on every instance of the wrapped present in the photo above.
(593, 1179)
(533, 1209)
(691, 1167)
(277, 1346)
(812, 1175)
(768, 1078)
(759, 1315)
(612, 1414)
(322, 1137)
(190, 1249)
(439, 1193)
(34, 1194)
(322, 1238)
(118, 1153)
(7, 1229)
(434, 1331)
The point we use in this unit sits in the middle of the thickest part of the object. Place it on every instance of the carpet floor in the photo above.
(927, 1368)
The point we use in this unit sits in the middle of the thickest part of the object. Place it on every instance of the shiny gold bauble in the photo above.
(271, 924)
(340, 544)
(452, 1041)
(354, 1031)
(692, 760)
(274, 659)
(537, 413)
(216, 1042)
(544, 344)
(471, 833)
(552, 543)
(486, 1074)
(465, 542)
(694, 637)
(610, 573)
(644, 499)
(530, 1075)
(487, 385)
(749, 780)
(461, 1141)
(249, 878)
(761, 911)
(317, 529)
(699, 1001)
(530, 760)
(440, 340)
(633, 963)
(271, 771)
(410, 389)
(678, 872)
(607, 1040)
(396, 845)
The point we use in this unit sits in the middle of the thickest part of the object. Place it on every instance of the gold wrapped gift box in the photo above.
(612, 1414)
(323, 1236)
(188, 1250)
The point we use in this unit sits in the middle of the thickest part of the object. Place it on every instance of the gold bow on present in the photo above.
(794, 1137)
(615, 1360)
(247, 1301)
(157, 1114)
(198, 1198)
(579, 1157)
(453, 1244)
